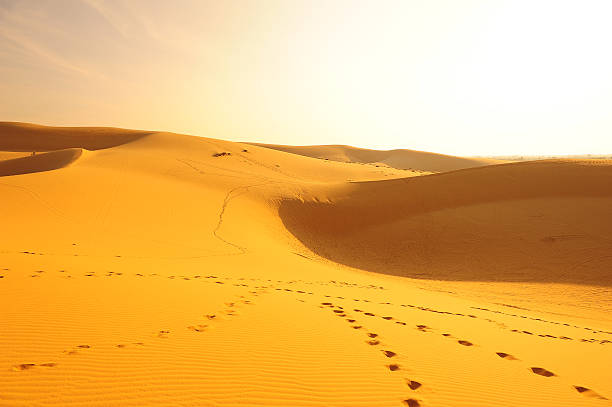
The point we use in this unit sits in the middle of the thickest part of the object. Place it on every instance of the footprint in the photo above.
(24, 366)
(50, 364)
(387, 318)
(542, 372)
(369, 314)
(83, 346)
(465, 343)
(373, 342)
(588, 392)
(372, 335)
(413, 384)
(393, 367)
(506, 356)
(197, 328)
(389, 353)
(412, 403)
(210, 316)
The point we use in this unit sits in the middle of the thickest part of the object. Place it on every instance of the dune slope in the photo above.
(159, 273)
(400, 159)
(535, 221)
(32, 137)
(40, 162)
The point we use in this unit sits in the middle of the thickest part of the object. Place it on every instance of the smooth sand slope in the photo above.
(546, 221)
(420, 161)
(170, 270)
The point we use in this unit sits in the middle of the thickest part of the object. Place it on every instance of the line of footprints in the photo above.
(373, 339)
(229, 310)
(344, 284)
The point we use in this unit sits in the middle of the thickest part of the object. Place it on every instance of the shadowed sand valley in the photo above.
(159, 269)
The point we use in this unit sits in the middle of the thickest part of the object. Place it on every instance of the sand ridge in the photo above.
(418, 161)
(15, 136)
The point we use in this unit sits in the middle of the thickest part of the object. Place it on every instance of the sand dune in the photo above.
(400, 159)
(32, 137)
(40, 162)
(534, 221)
(173, 270)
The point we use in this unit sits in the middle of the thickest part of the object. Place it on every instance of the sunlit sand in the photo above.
(141, 268)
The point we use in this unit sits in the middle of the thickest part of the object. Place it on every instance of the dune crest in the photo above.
(33, 137)
(400, 159)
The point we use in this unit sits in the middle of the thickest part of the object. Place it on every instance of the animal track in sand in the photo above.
(393, 367)
(412, 403)
(389, 353)
(465, 343)
(542, 372)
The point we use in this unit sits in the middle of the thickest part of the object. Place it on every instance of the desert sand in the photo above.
(142, 268)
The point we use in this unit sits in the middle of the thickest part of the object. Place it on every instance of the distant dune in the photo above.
(32, 137)
(400, 159)
(158, 269)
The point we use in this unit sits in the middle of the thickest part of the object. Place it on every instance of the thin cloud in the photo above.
(113, 18)
(15, 37)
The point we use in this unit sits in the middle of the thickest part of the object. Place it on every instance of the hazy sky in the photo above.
(458, 77)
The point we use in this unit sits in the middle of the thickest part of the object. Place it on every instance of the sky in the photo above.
(462, 77)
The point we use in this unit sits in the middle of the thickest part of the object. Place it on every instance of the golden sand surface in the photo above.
(143, 268)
